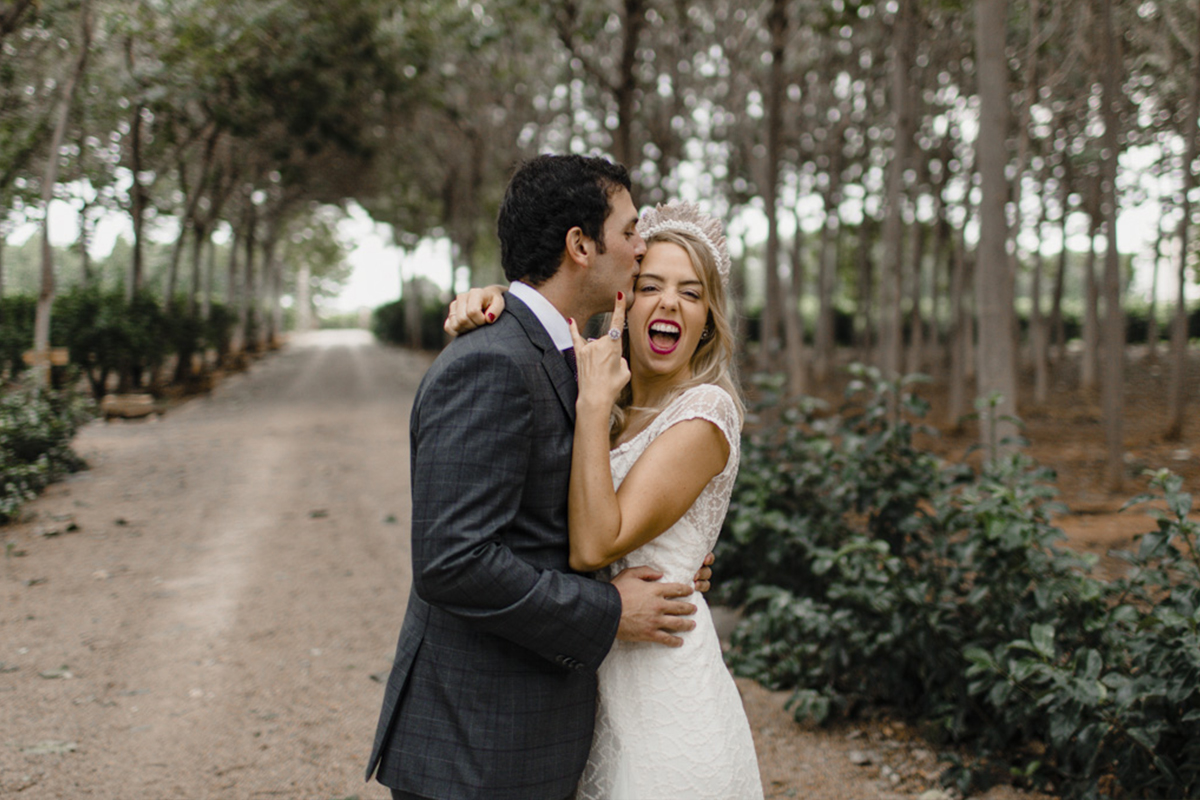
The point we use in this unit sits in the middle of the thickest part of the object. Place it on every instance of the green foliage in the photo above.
(36, 428)
(390, 322)
(16, 331)
(107, 334)
(874, 574)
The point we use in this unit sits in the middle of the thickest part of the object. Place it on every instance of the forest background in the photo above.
(917, 168)
(920, 186)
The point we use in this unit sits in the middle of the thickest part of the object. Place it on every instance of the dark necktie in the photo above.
(569, 355)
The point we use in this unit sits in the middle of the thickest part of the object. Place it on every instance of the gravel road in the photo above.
(205, 611)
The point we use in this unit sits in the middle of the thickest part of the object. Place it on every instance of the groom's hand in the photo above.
(703, 577)
(649, 610)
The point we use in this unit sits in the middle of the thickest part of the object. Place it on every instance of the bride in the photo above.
(657, 436)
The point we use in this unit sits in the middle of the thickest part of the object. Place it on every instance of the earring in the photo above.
(705, 334)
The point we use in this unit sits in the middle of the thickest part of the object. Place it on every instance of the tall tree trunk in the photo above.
(234, 291)
(1037, 322)
(903, 46)
(866, 291)
(793, 322)
(960, 334)
(773, 305)
(200, 235)
(1152, 332)
(626, 89)
(1179, 333)
(1091, 314)
(826, 273)
(1113, 387)
(937, 296)
(137, 199)
(1057, 327)
(304, 315)
(45, 301)
(916, 324)
(993, 276)
(273, 288)
(85, 245)
(247, 322)
(737, 293)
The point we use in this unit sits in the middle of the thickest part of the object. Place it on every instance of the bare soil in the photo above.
(207, 611)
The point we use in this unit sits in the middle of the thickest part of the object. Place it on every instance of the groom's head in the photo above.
(547, 197)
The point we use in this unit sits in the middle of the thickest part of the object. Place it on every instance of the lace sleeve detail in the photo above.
(711, 403)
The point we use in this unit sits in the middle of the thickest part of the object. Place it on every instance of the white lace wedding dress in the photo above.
(670, 722)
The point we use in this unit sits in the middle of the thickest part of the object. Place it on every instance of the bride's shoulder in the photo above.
(707, 401)
(706, 394)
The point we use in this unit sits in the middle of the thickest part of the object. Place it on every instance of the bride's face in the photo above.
(668, 313)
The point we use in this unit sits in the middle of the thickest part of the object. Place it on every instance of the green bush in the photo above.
(36, 428)
(16, 331)
(874, 574)
(389, 325)
(106, 334)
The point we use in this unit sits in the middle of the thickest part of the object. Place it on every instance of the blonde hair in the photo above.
(713, 360)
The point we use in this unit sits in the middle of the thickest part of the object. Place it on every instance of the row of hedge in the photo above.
(36, 429)
(106, 334)
(877, 575)
(1137, 326)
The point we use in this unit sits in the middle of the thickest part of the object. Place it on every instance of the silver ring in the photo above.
(614, 334)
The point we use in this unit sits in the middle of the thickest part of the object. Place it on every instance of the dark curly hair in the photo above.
(547, 196)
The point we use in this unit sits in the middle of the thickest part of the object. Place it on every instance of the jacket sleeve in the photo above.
(471, 447)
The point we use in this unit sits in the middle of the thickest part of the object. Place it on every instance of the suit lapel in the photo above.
(553, 361)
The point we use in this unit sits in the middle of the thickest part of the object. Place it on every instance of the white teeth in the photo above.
(664, 327)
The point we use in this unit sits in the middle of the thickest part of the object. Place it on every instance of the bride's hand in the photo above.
(473, 309)
(602, 370)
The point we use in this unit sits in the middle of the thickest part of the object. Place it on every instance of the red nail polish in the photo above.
(620, 296)
(570, 320)
(491, 317)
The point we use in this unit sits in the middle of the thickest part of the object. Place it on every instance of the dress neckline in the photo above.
(650, 425)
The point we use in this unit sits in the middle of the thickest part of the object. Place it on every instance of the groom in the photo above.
(492, 691)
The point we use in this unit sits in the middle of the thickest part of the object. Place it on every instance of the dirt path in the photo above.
(201, 614)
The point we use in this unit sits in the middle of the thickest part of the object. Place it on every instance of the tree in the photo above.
(993, 275)
(1179, 332)
(1113, 387)
(41, 328)
(891, 280)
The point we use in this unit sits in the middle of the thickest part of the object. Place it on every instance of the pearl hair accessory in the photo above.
(688, 218)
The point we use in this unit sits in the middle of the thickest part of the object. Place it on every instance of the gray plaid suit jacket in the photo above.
(492, 691)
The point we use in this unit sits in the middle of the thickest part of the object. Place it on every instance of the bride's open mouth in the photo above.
(664, 336)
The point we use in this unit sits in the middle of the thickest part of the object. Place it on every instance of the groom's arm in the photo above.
(472, 448)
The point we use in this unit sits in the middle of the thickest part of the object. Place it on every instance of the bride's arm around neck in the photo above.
(661, 486)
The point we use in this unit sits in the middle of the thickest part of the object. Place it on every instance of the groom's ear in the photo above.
(578, 246)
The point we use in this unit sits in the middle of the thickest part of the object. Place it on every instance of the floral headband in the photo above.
(688, 218)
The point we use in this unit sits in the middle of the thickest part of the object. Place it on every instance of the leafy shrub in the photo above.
(106, 334)
(16, 331)
(389, 324)
(874, 574)
(36, 428)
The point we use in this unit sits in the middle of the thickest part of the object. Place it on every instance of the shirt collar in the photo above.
(554, 322)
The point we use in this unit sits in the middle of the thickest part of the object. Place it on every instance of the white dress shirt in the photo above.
(555, 323)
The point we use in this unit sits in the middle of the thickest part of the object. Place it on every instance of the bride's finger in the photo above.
(618, 316)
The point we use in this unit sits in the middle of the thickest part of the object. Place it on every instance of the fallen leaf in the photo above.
(62, 672)
(50, 747)
(318, 513)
